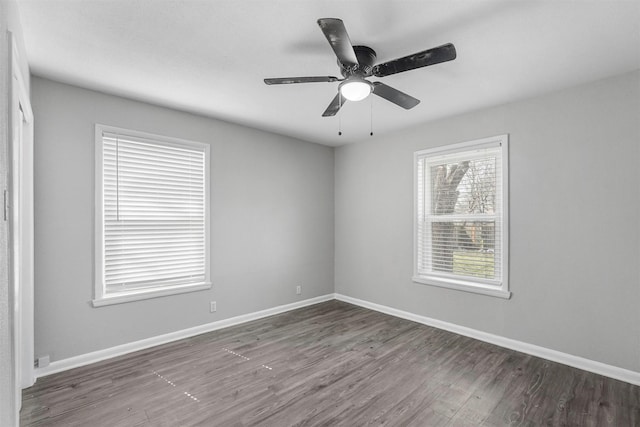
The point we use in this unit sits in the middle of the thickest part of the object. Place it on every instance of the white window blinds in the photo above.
(460, 213)
(154, 210)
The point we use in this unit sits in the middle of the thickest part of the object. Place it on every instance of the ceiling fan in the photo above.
(357, 62)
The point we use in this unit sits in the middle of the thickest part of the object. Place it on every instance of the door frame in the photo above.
(21, 229)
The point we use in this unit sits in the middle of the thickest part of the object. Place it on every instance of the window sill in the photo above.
(459, 285)
(142, 294)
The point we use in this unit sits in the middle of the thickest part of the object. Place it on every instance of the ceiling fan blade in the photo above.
(289, 80)
(394, 95)
(335, 106)
(336, 34)
(444, 53)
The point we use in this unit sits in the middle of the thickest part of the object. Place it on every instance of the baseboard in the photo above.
(97, 356)
(600, 368)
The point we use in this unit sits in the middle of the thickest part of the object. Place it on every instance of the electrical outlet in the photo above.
(298, 290)
(212, 306)
(42, 361)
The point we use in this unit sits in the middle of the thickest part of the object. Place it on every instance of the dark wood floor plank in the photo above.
(330, 364)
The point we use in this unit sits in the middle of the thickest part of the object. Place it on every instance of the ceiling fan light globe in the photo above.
(355, 90)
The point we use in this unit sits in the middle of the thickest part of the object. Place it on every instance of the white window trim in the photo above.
(102, 299)
(478, 286)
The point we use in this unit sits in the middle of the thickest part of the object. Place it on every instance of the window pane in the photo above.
(464, 187)
(465, 248)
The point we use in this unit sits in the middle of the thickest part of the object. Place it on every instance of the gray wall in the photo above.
(272, 214)
(574, 234)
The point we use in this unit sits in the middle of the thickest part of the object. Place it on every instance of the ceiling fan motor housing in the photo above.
(366, 59)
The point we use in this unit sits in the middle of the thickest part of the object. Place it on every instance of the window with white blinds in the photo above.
(461, 216)
(151, 215)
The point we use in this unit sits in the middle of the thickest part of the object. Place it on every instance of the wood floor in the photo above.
(325, 365)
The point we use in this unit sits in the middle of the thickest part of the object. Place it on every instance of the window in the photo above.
(461, 216)
(152, 216)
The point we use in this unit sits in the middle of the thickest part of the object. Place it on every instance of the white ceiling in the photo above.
(209, 57)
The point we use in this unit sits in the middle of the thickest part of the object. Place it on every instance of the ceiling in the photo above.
(210, 57)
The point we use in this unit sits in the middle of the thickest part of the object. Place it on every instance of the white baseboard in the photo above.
(97, 356)
(600, 368)
(615, 372)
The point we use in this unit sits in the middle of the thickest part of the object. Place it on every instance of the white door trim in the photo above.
(21, 226)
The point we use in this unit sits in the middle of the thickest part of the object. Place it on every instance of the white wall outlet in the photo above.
(42, 361)
(212, 306)
(298, 290)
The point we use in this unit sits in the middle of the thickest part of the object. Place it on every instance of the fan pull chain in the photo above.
(371, 117)
(339, 113)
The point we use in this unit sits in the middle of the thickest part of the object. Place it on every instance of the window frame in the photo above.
(496, 288)
(101, 297)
